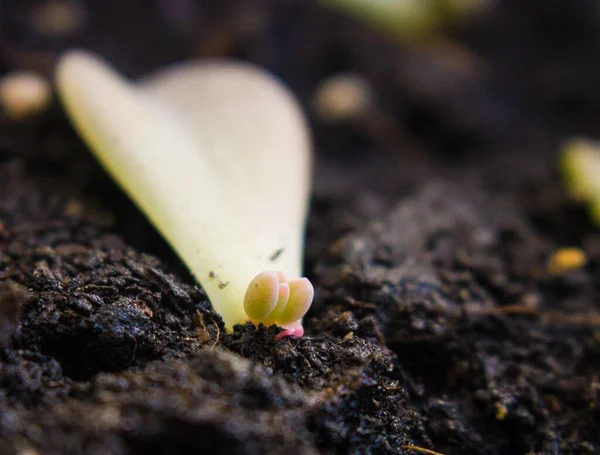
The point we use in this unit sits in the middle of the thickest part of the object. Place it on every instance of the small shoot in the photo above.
(217, 155)
(272, 298)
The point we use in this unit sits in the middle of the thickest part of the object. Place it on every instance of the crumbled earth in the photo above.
(436, 323)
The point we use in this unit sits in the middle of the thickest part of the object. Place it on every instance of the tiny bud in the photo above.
(282, 301)
(262, 296)
(301, 297)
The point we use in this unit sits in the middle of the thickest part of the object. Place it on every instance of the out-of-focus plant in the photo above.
(580, 166)
(408, 20)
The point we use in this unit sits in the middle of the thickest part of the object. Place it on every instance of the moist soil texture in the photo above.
(436, 324)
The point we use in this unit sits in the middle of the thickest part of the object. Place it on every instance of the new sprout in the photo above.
(217, 155)
(272, 298)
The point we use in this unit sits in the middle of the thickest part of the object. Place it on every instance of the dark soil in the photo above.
(431, 222)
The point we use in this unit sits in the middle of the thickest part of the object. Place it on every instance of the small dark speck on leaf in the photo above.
(276, 254)
(223, 285)
(212, 275)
